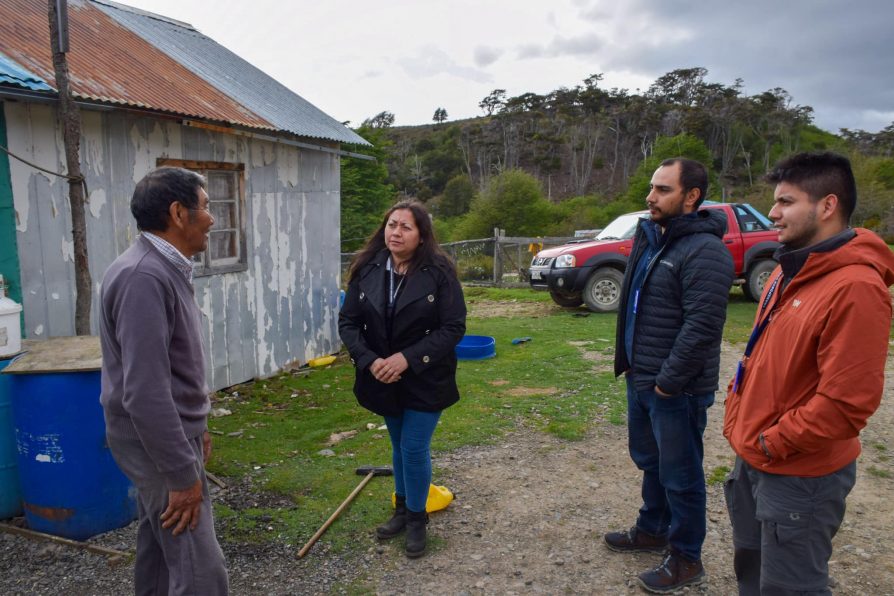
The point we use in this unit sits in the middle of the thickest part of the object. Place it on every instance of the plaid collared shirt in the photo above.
(177, 258)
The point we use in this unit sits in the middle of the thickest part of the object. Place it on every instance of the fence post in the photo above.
(498, 257)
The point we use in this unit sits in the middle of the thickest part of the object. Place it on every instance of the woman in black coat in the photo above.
(402, 317)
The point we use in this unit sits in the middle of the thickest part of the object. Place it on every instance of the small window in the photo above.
(226, 200)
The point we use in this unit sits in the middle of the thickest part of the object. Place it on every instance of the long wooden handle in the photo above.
(333, 517)
(60, 540)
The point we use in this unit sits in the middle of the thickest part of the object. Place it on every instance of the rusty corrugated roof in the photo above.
(111, 64)
(231, 74)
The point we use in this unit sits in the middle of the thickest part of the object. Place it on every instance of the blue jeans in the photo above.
(411, 434)
(665, 441)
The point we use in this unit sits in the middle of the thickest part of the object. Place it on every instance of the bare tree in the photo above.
(70, 119)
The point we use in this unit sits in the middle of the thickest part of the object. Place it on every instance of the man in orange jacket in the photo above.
(812, 375)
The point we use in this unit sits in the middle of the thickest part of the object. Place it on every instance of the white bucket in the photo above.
(10, 329)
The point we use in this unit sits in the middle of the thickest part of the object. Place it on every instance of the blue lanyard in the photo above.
(763, 321)
(759, 327)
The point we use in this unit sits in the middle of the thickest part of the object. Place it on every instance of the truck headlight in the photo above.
(565, 261)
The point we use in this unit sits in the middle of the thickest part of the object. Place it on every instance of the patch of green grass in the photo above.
(739, 317)
(718, 475)
(879, 446)
(878, 472)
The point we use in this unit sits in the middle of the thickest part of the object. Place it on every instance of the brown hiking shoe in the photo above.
(674, 572)
(635, 540)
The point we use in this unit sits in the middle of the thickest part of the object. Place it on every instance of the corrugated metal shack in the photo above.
(155, 91)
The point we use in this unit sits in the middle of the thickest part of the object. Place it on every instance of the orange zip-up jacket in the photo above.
(816, 374)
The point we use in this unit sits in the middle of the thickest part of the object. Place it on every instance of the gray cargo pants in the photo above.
(191, 563)
(783, 528)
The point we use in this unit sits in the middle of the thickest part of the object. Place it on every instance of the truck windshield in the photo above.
(621, 228)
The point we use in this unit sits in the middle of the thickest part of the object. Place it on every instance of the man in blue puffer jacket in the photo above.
(670, 322)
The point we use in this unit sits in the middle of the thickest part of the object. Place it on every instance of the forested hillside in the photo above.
(575, 157)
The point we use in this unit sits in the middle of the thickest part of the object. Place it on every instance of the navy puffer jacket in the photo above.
(681, 309)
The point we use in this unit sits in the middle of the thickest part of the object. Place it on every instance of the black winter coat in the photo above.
(681, 309)
(429, 320)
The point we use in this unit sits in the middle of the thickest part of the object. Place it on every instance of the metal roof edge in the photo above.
(264, 134)
(146, 13)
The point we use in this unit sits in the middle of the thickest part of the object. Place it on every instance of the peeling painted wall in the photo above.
(282, 309)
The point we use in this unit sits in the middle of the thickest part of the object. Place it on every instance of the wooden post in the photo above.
(70, 120)
(498, 257)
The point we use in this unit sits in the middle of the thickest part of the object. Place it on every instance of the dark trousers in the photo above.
(190, 563)
(783, 528)
(665, 438)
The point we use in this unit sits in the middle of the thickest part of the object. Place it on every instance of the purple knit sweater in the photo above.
(153, 365)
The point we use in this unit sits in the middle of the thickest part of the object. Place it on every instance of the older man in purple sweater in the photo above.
(154, 394)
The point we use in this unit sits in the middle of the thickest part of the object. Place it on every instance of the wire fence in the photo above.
(497, 261)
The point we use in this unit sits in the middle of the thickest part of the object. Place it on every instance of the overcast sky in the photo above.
(355, 58)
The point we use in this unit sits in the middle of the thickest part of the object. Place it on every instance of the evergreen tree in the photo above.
(365, 192)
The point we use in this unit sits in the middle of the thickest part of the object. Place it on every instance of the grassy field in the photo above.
(560, 382)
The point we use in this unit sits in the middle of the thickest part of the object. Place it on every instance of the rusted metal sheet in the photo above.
(111, 64)
(234, 76)
(58, 355)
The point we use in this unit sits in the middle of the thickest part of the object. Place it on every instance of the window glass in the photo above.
(750, 220)
(226, 240)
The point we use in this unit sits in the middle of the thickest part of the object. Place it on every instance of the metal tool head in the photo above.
(375, 470)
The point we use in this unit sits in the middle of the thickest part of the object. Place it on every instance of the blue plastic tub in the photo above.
(10, 491)
(71, 486)
(476, 347)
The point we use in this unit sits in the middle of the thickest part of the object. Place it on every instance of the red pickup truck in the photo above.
(590, 271)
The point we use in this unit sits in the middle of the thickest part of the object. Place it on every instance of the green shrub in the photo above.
(477, 268)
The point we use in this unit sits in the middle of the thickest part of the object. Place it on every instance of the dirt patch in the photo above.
(604, 360)
(511, 308)
(498, 382)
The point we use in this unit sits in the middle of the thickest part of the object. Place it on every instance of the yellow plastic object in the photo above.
(321, 361)
(438, 498)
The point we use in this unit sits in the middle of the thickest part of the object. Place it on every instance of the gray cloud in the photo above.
(432, 61)
(589, 44)
(831, 55)
(531, 50)
(581, 45)
(486, 55)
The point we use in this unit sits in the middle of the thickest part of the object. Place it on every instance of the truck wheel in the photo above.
(602, 292)
(566, 299)
(757, 276)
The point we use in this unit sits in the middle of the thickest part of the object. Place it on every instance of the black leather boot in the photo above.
(416, 522)
(394, 526)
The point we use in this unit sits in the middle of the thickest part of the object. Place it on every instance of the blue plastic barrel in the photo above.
(71, 486)
(10, 493)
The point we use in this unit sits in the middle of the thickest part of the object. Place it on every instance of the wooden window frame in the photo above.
(203, 266)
